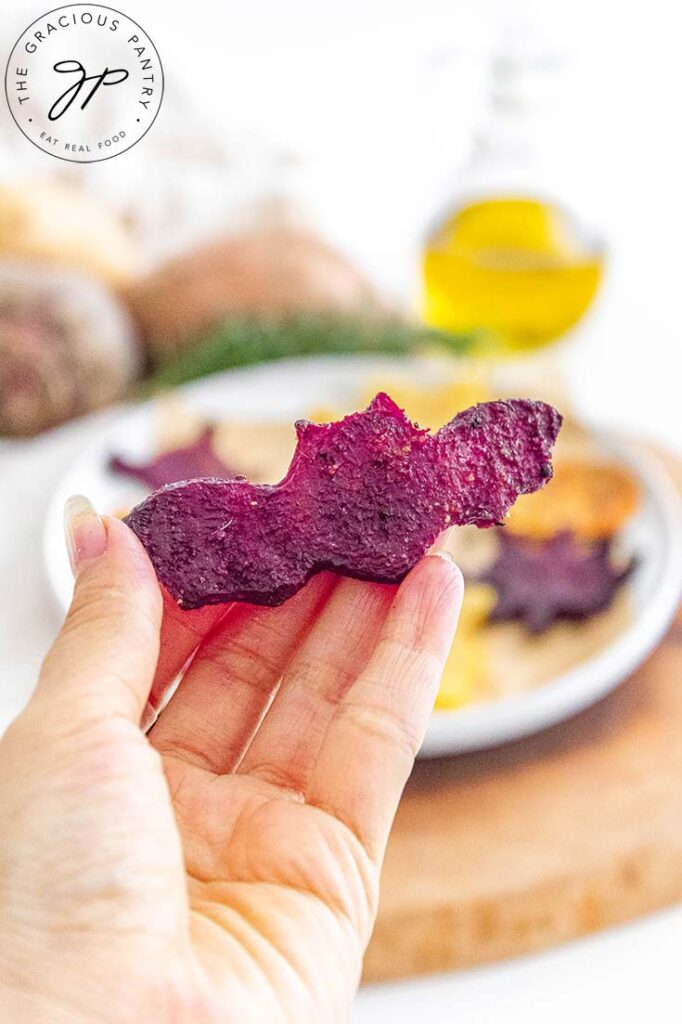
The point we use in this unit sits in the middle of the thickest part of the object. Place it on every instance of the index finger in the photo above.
(371, 743)
(182, 632)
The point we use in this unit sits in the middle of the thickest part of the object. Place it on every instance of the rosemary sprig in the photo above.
(242, 342)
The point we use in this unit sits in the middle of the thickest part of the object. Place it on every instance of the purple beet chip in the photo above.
(365, 497)
(196, 459)
(541, 582)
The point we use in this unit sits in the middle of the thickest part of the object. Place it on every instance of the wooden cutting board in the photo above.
(507, 851)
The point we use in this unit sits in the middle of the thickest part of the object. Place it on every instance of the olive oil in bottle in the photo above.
(509, 258)
(518, 267)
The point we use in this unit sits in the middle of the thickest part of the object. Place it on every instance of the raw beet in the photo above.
(196, 459)
(540, 582)
(365, 497)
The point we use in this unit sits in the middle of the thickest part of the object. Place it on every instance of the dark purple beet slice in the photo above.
(540, 582)
(196, 459)
(366, 497)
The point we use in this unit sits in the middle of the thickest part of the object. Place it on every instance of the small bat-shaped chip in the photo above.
(540, 582)
(365, 497)
(197, 459)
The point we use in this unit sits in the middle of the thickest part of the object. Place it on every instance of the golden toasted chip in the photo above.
(592, 499)
(260, 449)
(430, 406)
(177, 424)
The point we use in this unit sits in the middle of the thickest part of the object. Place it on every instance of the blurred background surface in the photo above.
(366, 112)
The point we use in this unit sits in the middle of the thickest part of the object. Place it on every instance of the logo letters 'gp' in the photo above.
(110, 76)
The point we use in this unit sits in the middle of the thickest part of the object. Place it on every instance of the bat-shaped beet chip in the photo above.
(365, 497)
(199, 458)
(540, 582)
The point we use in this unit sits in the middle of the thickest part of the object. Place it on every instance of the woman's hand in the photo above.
(226, 868)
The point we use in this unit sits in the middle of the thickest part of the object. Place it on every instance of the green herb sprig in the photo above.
(246, 341)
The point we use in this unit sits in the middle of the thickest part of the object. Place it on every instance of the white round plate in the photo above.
(288, 390)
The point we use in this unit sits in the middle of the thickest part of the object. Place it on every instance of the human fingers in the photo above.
(103, 659)
(378, 727)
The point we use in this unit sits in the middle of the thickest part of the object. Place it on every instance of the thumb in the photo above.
(103, 660)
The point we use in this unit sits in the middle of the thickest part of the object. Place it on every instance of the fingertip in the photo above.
(84, 532)
(429, 601)
(122, 569)
(438, 571)
(106, 652)
(447, 568)
(124, 547)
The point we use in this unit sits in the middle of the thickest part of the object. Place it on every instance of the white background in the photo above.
(350, 89)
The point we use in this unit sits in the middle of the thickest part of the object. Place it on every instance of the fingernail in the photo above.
(86, 535)
(443, 553)
(440, 546)
(149, 716)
